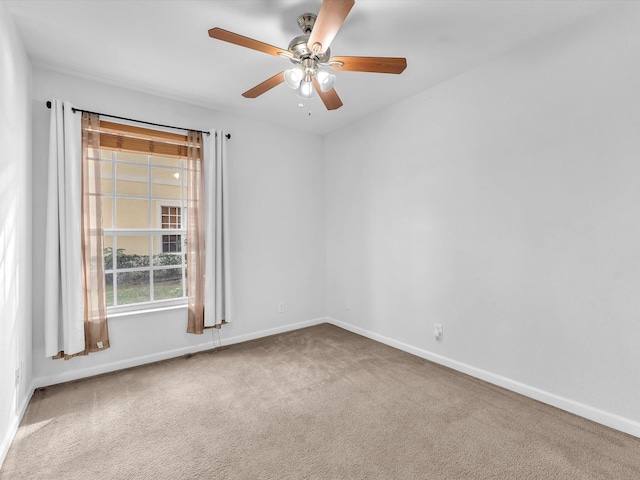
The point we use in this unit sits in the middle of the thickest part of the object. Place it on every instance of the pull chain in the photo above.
(301, 104)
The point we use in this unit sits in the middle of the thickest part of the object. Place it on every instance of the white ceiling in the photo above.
(163, 47)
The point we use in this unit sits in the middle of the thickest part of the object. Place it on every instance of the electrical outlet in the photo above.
(437, 331)
(281, 307)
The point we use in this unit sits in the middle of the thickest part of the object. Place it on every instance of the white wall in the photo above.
(15, 229)
(504, 204)
(277, 224)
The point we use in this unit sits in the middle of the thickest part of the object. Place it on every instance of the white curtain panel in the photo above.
(218, 293)
(63, 293)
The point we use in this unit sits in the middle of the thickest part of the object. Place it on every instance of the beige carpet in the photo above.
(317, 403)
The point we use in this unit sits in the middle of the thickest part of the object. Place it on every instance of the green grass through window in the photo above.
(128, 294)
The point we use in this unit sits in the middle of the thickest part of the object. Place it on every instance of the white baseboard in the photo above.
(608, 419)
(274, 331)
(46, 381)
(5, 444)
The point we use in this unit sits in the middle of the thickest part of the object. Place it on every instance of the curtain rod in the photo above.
(228, 135)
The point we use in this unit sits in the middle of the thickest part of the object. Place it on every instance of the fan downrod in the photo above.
(306, 21)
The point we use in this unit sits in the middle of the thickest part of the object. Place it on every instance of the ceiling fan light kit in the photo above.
(299, 78)
(309, 52)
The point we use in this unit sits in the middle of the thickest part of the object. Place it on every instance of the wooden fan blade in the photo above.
(370, 64)
(268, 84)
(226, 36)
(330, 18)
(330, 99)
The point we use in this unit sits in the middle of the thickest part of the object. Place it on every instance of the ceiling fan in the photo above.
(311, 55)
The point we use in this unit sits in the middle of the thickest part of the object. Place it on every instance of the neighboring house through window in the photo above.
(171, 219)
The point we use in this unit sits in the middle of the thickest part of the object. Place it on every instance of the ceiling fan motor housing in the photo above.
(298, 46)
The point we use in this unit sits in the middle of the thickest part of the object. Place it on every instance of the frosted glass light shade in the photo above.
(293, 77)
(326, 80)
(306, 89)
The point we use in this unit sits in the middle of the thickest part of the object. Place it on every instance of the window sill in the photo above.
(144, 311)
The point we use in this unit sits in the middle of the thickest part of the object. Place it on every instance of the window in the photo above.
(171, 219)
(143, 196)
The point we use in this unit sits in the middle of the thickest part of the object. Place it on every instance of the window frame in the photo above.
(145, 142)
